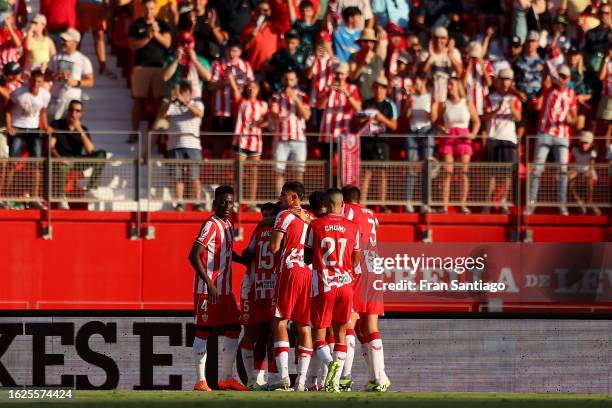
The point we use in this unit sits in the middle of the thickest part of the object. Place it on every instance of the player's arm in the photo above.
(308, 248)
(275, 240)
(195, 259)
(356, 255)
(302, 215)
(241, 259)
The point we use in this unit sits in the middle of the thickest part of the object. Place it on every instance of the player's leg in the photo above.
(345, 378)
(259, 355)
(301, 317)
(230, 348)
(281, 351)
(365, 353)
(376, 351)
(199, 353)
(304, 354)
(247, 349)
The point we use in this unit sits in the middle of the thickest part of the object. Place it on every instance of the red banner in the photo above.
(350, 159)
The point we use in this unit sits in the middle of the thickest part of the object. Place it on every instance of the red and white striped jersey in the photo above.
(264, 265)
(333, 239)
(400, 87)
(8, 51)
(292, 247)
(476, 87)
(290, 126)
(321, 78)
(247, 134)
(222, 97)
(13, 86)
(337, 114)
(607, 83)
(368, 225)
(217, 237)
(556, 107)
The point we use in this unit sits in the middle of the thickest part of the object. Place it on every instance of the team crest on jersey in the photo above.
(204, 317)
(245, 317)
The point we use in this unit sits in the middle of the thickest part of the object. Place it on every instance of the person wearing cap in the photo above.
(502, 111)
(38, 46)
(401, 83)
(558, 111)
(379, 116)
(187, 64)
(288, 58)
(92, 16)
(582, 171)
(71, 71)
(478, 76)
(11, 40)
(347, 34)
(184, 115)
(560, 39)
(260, 37)
(443, 61)
(514, 51)
(577, 82)
(26, 120)
(339, 102)
(366, 65)
(149, 38)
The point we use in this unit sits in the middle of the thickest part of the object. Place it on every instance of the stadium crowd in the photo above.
(461, 80)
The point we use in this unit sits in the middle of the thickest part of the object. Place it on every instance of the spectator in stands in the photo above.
(458, 120)
(208, 33)
(149, 38)
(234, 15)
(401, 84)
(307, 26)
(250, 121)
(339, 103)
(579, 85)
(261, 39)
(184, 115)
(231, 68)
(70, 71)
(514, 53)
(26, 116)
(288, 58)
(434, 13)
(165, 10)
(289, 111)
(11, 40)
(540, 19)
(597, 42)
(420, 142)
(528, 78)
(502, 111)
(319, 73)
(392, 15)
(71, 139)
(584, 156)
(347, 34)
(604, 110)
(187, 64)
(442, 62)
(379, 116)
(366, 66)
(38, 47)
(61, 15)
(478, 77)
(558, 110)
(366, 10)
(494, 42)
(93, 16)
(20, 11)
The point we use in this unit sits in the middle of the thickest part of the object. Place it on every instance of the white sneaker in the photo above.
(63, 205)
(596, 211)
(563, 210)
(409, 208)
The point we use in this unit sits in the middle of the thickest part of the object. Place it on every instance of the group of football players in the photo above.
(311, 268)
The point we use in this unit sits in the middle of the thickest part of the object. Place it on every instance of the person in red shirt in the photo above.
(333, 248)
(293, 286)
(11, 41)
(260, 37)
(211, 257)
(61, 15)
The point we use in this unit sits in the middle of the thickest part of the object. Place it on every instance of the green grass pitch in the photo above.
(138, 399)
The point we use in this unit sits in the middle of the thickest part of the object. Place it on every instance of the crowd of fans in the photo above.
(470, 78)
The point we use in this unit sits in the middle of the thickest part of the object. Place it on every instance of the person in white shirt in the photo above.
(184, 115)
(70, 71)
(26, 117)
(582, 171)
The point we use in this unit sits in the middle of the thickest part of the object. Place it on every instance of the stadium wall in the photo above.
(496, 355)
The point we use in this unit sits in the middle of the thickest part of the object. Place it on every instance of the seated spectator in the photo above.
(558, 111)
(26, 116)
(365, 66)
(378, 117)
(584, 156)
(288, 58)
(207, 31)
(184, 114)
(93, 16)
(347, 34)
(224, 71)
(70, 71)
(443, 61)
(261, 39)
(319, 72)
(289, 111)
(247, 143)
(339, 103)
(150, 39)
(188, 65)
(38, 46)
(61, 15)
(453, 117)
(502, 112)
(306, 25)
(11, 40)
(71, 139)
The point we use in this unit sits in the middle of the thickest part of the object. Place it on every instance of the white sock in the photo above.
(340, 358)
(366, 357)
(304, 356)
(199, 353)
(260, 376)
(282, 358)
(350, 355)
(376, 354)
(247, 359)
(313, 371)
(324, 355)
(230, 347)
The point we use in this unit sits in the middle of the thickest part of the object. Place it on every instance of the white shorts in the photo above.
(291, 150)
